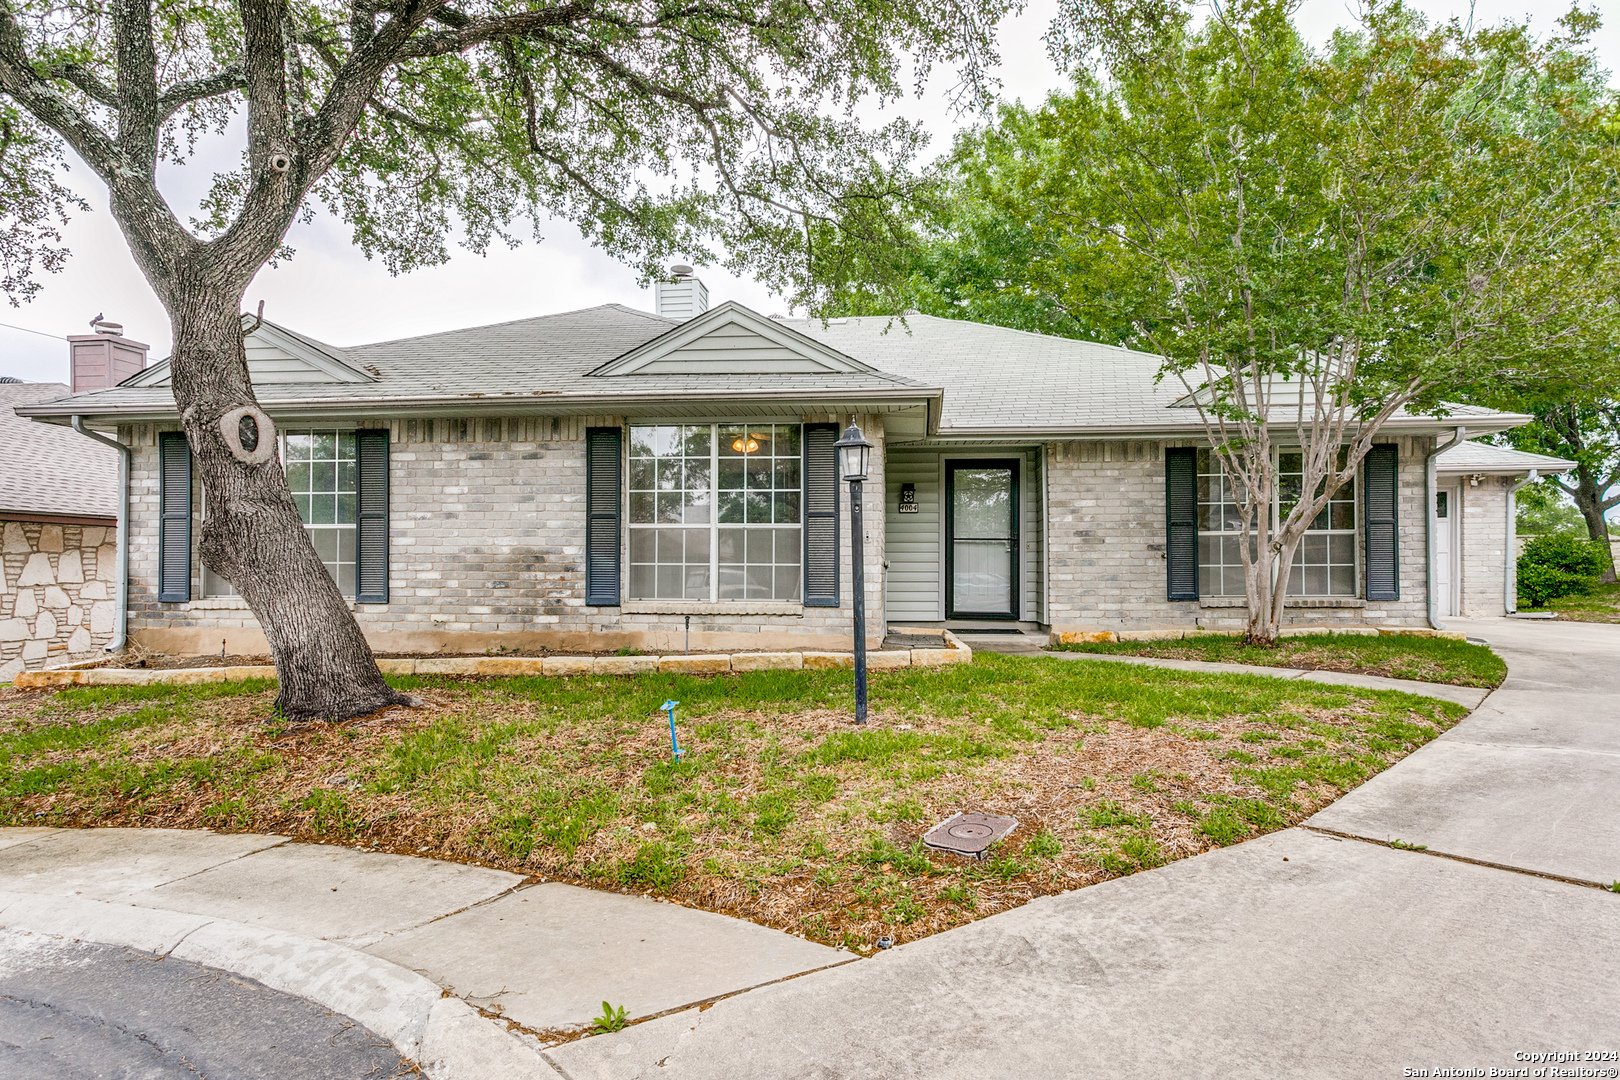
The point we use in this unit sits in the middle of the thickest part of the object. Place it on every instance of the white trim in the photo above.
(336, 369)
(704, 607)
(732, 313)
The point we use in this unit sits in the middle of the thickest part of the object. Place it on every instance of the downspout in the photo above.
(1046, 539)
(1510, 591)
(1428, 520)
(121, 615)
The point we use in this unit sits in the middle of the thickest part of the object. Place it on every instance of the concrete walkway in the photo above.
(1029, 645)
(1299, 954)
(318, 921)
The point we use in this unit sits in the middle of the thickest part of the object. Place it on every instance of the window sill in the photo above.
(723, 607)
(1295, 602)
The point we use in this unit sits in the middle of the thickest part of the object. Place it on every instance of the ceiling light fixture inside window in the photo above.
(745, 444)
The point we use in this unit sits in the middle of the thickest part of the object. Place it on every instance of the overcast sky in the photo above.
(331, 292)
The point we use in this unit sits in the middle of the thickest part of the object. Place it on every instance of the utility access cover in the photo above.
(969, 834)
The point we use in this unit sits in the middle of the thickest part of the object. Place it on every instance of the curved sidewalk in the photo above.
(1467, 696)
(415, 949)
(1300, 953)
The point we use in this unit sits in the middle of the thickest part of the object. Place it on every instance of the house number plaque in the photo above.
(908, 498)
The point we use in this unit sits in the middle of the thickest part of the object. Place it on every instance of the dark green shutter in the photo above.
(371, 529)
(820, 477)
(1181, 522)
(174, 518)
(1383, 531)
(604, 480)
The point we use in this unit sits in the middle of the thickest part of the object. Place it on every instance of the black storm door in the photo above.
(981, 539)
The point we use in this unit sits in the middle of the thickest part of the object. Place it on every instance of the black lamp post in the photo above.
(854, 454)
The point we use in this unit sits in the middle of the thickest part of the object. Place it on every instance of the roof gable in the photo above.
(276, 355)
(732, 340)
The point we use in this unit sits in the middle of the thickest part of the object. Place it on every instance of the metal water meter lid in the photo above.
(969, 834)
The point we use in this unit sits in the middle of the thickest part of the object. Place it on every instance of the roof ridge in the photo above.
(507, 322)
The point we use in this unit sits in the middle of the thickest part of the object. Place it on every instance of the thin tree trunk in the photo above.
(1589, 500)
(252, 535)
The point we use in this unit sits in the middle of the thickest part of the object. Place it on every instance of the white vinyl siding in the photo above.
(916, 574)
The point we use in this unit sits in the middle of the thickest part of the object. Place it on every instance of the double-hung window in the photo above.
(323, 473)
(714, 512)
(1324, 563)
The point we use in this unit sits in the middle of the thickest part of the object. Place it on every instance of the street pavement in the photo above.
(1297, 954)
(76, 1011)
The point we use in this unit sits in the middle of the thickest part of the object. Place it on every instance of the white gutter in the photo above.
(1046, 537)
(121, 614)
(1428, 519)
(1510, 590)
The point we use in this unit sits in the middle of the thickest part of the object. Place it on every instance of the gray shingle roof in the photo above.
(1478, 457)
(996, 382)
(1014, 381)
(536, 360)
(48, 469)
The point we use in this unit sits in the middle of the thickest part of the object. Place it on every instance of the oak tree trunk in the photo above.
(252, 535)
(1589, 500)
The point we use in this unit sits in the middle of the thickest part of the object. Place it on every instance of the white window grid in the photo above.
(1327, 561)
(321, 465)
(714, 512)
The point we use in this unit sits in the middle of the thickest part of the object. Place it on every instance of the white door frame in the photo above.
(1450, 527)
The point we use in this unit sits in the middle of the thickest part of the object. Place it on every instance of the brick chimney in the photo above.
(104, 358)
(683, 298)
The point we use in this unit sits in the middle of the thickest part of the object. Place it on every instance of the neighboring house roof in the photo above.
(978, 381)
(51, 471)
(1016, 383)
(1478, 457)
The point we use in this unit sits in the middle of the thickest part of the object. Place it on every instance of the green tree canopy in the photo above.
(1313, 242)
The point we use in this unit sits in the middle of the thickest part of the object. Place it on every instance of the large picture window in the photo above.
(324, 477)
(1324, 562)
(714, 512)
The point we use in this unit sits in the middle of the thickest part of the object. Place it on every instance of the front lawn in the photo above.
(781, 812)
(1395, 656)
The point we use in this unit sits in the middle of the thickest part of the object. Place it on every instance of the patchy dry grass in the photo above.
(780, 812)
(1602, 604)
(1396, 656)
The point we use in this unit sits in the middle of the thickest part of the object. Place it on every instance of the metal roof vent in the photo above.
(969, 834)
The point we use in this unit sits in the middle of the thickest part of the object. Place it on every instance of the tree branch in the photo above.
(182, 94)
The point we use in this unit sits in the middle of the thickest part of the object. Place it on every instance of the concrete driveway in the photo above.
(1299, 954)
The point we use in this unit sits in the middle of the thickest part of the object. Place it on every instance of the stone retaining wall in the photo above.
(956, 652)
(57, 593)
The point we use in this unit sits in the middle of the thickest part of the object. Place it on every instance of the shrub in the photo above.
(1558, 565)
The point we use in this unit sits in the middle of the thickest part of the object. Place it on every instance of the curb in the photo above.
(446, 1037)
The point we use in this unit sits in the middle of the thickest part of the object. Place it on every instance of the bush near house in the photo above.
(1558, 565)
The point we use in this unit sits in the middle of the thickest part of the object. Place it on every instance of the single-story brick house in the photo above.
(596, 479)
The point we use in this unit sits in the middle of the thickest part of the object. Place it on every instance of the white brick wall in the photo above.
(487, 534)
(1484, 536)
(1106, 553)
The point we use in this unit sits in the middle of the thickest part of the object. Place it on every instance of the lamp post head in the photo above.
(854, 453)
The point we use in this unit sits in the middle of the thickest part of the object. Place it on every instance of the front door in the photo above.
(1445, 528)
(981, 539)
